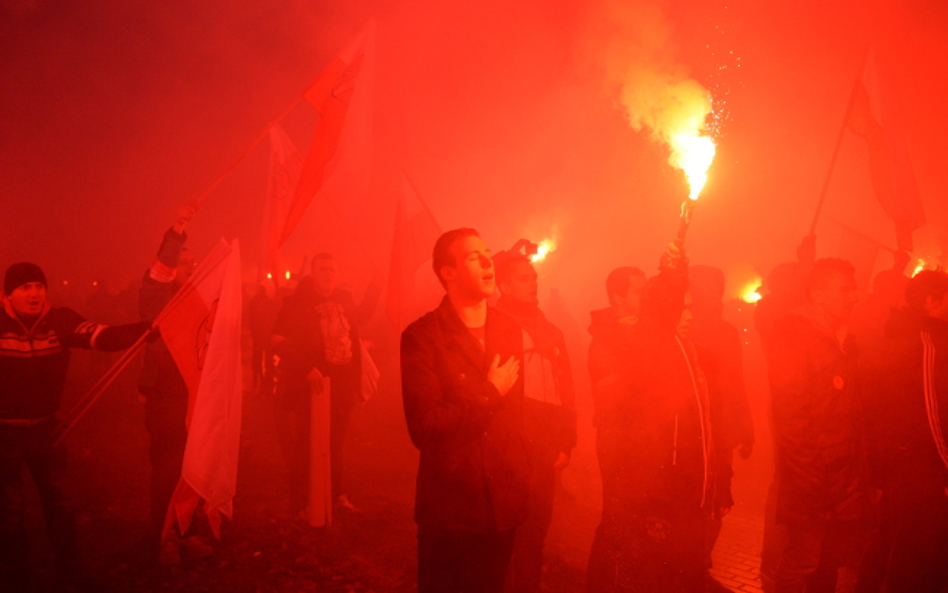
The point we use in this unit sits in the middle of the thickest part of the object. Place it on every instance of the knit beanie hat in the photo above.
(19, 274)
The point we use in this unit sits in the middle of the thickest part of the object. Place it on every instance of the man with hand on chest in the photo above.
(463, 398)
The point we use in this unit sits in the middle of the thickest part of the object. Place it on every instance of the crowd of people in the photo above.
(489, 402)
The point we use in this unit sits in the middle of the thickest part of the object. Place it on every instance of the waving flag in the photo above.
(893, 178)
(285, 167)
(416, 231)
(202, 332)
(331, 94)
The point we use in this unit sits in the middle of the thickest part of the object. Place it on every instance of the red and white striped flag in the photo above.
(202, 332)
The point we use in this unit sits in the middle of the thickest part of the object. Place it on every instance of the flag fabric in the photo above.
(416, 231)
(285, 167)
(331, 95)
(202, 331)
(890, 167)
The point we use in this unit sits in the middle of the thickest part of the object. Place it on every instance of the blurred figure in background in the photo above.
(723, 364)
(316, 335)
(610, 356)
(909, 428)
(549, 414)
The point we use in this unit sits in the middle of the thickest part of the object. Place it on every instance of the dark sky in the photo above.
(116, 112)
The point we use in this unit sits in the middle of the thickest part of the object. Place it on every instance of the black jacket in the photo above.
(909, 397)
(474, 471)
(818, 422)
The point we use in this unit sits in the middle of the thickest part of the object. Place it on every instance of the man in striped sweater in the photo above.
(35, 340)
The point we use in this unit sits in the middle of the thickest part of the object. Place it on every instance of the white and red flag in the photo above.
(201, 327)
(343, 84)
(285, 167)
(893, 178)
(416, 231)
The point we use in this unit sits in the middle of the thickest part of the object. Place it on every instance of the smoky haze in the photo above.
(507, 116)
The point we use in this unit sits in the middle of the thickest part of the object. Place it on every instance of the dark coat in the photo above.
(662, 414)
(302, 350)
(609, 353)
(905, 415)
(473, 472)
(818, 422)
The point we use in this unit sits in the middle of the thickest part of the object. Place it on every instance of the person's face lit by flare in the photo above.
(520, 283)
(472, 276)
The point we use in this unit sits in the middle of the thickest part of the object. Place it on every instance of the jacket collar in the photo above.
(455, 328)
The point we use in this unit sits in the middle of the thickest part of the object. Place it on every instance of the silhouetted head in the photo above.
(25, 285)
(517, 278)
(624, 287)
(324, 273)
(831, 289)
(927, 293)
(707, 290)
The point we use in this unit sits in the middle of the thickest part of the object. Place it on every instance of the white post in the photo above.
(320, 477)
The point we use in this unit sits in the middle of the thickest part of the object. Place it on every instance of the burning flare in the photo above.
(750, 294)
(693, 154)
(545, 247)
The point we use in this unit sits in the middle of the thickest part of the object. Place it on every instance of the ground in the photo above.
(265, 549)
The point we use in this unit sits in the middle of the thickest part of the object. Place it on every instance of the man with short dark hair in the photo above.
(548, 409)
(909, 432)
(463, 398)
(35, 340)
(819, 432)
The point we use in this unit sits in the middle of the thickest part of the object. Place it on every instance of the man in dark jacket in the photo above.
(548, 409)
(819, 432)
(316, 335)
(463, 399)
(35, 340)
(910, 428)
(165, 392)
(665, 489)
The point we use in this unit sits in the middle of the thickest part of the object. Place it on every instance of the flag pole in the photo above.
(839, 141)
(82, 406)
(243, 155)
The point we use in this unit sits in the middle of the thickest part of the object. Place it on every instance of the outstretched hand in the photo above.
(185, 214)
(504, 376)
(674, 258)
